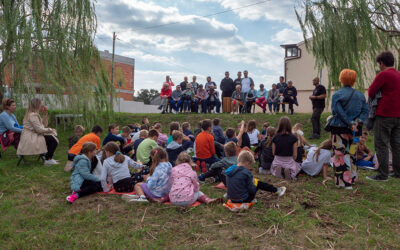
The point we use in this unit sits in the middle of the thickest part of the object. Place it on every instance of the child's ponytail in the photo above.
(327, 145)
(270, 134)
(113, 148)
(157, 155)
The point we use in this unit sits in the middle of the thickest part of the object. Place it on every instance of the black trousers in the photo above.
(89, 187)
(260, 186)
(51, 144)
(291, 102)
(316, 120)
(215, 172)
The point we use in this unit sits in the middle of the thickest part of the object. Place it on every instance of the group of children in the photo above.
(162, 168)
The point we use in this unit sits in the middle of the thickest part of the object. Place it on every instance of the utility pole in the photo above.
(112, 73)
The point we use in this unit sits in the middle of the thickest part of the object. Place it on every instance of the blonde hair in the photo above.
(176, 135)
(157, 155)
(246, 157)
(79, 128)
(327, 145)
(270, 134)
(184, 157)
(230, 149)
(297, 127)
(143, 133)
(34, 107)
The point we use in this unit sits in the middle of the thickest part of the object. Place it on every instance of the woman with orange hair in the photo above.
(349, 111)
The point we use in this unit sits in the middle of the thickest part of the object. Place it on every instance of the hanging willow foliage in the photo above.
(349, 34)
(47, 47)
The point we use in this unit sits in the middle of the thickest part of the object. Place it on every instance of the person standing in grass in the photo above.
(83, 182)
(318, 104)
(387, 121)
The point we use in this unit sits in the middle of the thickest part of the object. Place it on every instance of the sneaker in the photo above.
(366, 167)
(140, 199)
(377, 178)
(226, 196)
(127, 197)
(71, 198)
(281, 191)
(50, 162)
(348, 188)
(54, 161)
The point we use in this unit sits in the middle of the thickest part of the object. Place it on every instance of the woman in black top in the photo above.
(284, 148)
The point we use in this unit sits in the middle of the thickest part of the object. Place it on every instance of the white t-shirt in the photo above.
(253, 136)
(311, 166)
(300, 133)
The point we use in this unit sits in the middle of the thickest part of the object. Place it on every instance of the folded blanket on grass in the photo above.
(238, 207)
(221, 186)
(112, 191)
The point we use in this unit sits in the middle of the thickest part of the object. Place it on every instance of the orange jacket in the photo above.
(205, 145)
(92, 137)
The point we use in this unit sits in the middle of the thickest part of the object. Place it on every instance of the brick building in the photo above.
(124, 74)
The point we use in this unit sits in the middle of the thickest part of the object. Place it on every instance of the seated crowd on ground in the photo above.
(162, 167)
(238, 96)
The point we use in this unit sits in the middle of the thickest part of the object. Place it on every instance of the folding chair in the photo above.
(22, 158)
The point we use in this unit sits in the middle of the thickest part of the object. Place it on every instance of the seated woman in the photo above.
(187, 97)
(36, 138)
(10, 131)
(237, 100)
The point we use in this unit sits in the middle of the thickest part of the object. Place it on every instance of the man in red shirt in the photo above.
(387, 120)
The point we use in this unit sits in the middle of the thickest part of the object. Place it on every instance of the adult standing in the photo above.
(387, 119)
(170, 83)
(349, 111)
(238, 80)
(318, 104)
(194, 84)
(281, 86)
(246, 81)
(184, 83)
(36, 138)
(227, 87)
(10, 131)
(209, 83)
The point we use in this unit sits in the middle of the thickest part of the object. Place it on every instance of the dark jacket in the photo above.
(289, 92)
(219, 134)
(117, 139)
(227, 87)
(239, 182)
(281, 87)
(183, 85)
(189, 134)
(265, 155)
(173, 150)
(225, 163)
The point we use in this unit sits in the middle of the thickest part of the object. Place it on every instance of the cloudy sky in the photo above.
(246, 38)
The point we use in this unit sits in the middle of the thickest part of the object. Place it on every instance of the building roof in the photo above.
(117, 58)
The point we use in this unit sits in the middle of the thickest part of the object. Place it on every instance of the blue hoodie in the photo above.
(219, 134)
(82, 166)
(159, 183)
(239, 183)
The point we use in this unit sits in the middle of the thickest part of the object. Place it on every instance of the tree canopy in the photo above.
(47, 46)
(146, 95)
(349, 33)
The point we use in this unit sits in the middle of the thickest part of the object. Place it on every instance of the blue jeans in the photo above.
(176, 105)
(187, 105)
(274, 103)
(203, 104)
(361, 163)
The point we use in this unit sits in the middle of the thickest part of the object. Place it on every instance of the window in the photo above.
(292, 52)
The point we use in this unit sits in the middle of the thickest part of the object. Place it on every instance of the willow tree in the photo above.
(349, 33)
(47, 47)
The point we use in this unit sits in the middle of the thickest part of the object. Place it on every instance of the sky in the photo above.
(242, 39)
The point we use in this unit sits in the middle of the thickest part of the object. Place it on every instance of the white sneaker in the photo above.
(127, 197)
(54, 161)
(348, 188)
(50, 162)
(140, 199)
(281, 191)
(226, 195)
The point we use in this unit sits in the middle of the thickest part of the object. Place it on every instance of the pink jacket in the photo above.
(184, 183)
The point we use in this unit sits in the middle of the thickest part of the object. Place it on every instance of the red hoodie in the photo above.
(167, 92)
(388, 82)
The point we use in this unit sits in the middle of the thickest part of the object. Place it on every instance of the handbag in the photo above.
(328, 127)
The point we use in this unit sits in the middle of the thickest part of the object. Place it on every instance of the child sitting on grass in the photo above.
(264, 151)
(301, 143)
(113, 131)
(145, 147)
(186, 131)
(243, 138)
(157, 186)
(318, 159)
(175, 147)
(162, 138)
(365, 157)
(78, 132)
(218, 132)
(83, 182)
(284, 148)
(143, 134)
(185, 188)
(241, 186)
(205, 149)
(231, 135)
(127, 146)
(264, 131)
(116, 166)
(217, 169)
(186, 143)
(253, 133)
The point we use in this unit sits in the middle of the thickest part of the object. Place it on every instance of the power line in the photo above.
(209, 15)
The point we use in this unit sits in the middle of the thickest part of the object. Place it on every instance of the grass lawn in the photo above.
(312, 214)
